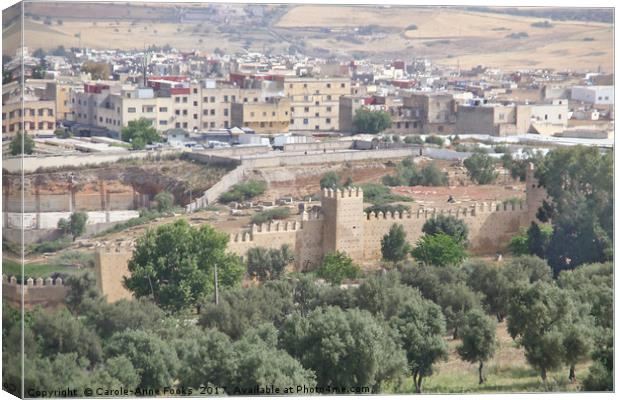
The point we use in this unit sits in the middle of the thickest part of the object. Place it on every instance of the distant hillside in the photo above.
(554, 13)
(446, 35)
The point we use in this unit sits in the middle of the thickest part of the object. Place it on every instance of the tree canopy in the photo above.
(367, 121)
(481, 168)
(449, 225)
(21, 144)
(174, 264)
(439, 249)
(579, 182)
(394, 246)
(139, 133)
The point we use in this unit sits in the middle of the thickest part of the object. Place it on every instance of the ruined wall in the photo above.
(48, 293)
(110, 268)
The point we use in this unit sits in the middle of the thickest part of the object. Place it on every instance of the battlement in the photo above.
(459, 212)
(276, 226)
(33, 283)
(342, 193)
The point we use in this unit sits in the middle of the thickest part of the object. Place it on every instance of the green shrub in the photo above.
(435, 140)
(387, 208)
(414, 139)
(244, 191)
(269, 215)
(376, 193)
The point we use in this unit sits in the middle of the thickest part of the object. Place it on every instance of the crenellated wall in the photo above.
(342, 225)
(49, 293)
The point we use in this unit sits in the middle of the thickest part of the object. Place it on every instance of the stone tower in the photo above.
(343, 225)
(534, 195)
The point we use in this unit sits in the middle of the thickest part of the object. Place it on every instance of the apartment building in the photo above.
(404, 119)
(267, 117)
(315, 102)
(35, 116)
(169, 102)
(436, 112)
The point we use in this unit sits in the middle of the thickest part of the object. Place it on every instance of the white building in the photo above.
(593, 94)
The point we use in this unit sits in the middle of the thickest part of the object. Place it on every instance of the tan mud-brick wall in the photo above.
(110, 268)
(48, 293)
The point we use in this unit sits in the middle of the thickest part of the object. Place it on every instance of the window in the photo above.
(440, 128)
(600, 98)
(255, 99)
(163, 122)
(131, 109)
(273, 113)
(342, 85)
(195, 116)
(290, 85)
(292, 109)
(398, 125)
(177, 112)
(329, 109)
(329, 97)
(205, 112)
(205, 99)
(184, 112)
(212, 111)
(212, 99)
(264, 113)
(329, 85)
(559, 116)
(252, 114)
(225, 98)
(305, 121)
(148, 108)
(184, 99)
(316, 114)
(292, 121)
(316, 103)
(212, 125)
(262, 124)
(328, 120)
(306, 109)
(245, 99)
(163, 109)
(177, 99)
(40, 125)
(185, 125)
(316, 127)
(316, 92)
(305, 85)
(195, 90)
(546, 117)
(195, 103)
(19, 112)
(226, 112)
(233, 98)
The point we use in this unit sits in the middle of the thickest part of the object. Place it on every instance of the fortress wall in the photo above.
(491, 226)
(47, 293)
(303, 237)
(62, 202)
(110, 268)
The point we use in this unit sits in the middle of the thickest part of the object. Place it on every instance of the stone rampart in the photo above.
(49, 293)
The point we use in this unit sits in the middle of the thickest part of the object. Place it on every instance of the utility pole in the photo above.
(217, 295)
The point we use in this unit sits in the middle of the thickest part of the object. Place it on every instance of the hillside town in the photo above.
(234, 212)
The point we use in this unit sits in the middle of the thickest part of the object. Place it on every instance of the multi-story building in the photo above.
(502, 120)
(436, 111)
(267, 117)
(315, 102)
(35, 116)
